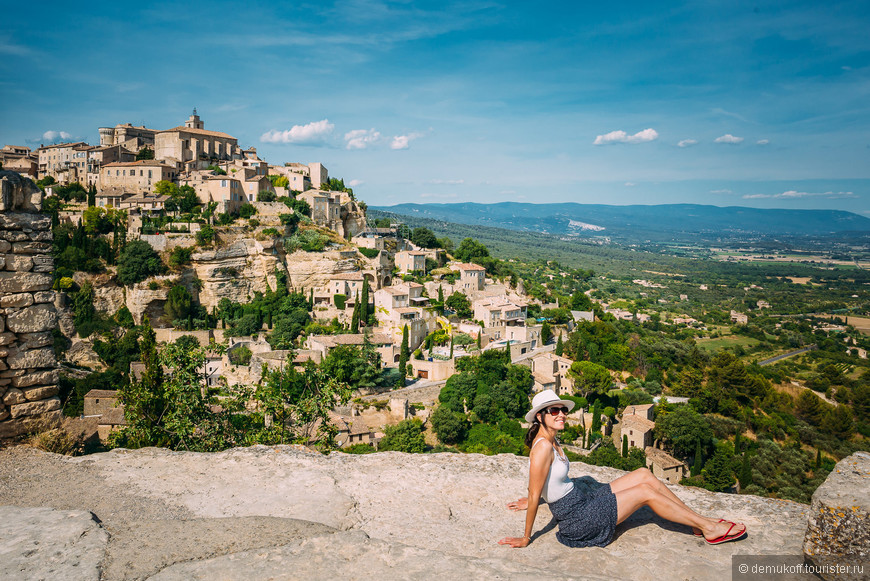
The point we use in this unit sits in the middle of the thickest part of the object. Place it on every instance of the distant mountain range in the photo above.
(661, 221)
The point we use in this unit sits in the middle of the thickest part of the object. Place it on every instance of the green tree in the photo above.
(247, 210)
(810, 407)
(470, 250)
(682, 429)
(424, 238)
(92, 196)
(145, 153)
(590, 378)
(406, 436)
(266, 196)
(717, 472)
(404, 355)
(838, 422)
(546, 333)
(460, 304)
(178, 303)
(450, 427)
(137, 262)
(354, 319)
(560, 348)
(624, 446)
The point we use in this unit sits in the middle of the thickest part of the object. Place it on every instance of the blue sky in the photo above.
(762, 104)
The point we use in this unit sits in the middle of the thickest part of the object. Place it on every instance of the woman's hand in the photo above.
(521, 504)
(515, 542)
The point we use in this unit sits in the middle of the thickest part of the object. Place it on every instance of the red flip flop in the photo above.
(729, 536)
(702, 534)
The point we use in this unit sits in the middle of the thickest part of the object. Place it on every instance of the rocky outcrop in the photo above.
(378, 516)
(307, 270)
(839, 523)
(236, 272)
(28, 376)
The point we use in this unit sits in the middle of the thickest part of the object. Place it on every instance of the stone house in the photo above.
(111, 421)
(100, 401)
(101, 156)
(665, 466)
(472, 277)
(19, 159)
(498, 311)
(411, 261)
(739, 318)
(402, 305)
(135, 176)
(228, 192)
(65, 162)
(325, 343)
(637, 428)
(130, 137)
(344, 283)
(550, 371)
(434, 369)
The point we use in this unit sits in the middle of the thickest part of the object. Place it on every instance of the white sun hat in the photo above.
(544, 399)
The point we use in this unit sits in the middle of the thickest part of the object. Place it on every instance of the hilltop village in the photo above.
(180, 258)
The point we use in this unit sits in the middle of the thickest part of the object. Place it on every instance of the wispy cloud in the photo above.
(728, 138)
(723, 191)
(14, 49)
(630, 184)
(361, 138)
(687, 142)
(720, 111)
(623, 137)
(762, 142)
(446, 182)
(355, 183)
(404, 141)
(314, 133)
(792, 194)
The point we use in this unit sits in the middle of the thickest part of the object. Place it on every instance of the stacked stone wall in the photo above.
(28, 367)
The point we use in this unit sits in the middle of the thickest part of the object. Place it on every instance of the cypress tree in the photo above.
(404, 355)
(479, 333)
(559, 347)
(699, 459)
(596, 418)
(745, 477)
(441, 294)
(625, 446)
(311, 300)
(451, 346)
(546, 333)
(92, 196)
(354, 319)
(818, 458)
(364, 303)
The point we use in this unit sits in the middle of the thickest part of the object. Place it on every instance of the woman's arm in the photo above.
(539, 465)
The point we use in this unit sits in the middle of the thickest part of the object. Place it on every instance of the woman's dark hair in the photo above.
(533, 431)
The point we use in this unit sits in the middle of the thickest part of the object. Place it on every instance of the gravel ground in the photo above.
(145, 534)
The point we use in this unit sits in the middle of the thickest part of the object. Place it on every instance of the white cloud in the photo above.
(762, 141)
(361, 138)
(630, 184)
(725, 191)
(355, 183)
(728, 138)
(53, 136)
(793, 194)
(404, 141)
(314, 133)
(687, 142)
(623, 137)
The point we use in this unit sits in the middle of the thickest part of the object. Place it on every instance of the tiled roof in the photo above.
(661, 458)
(637, 423)
(467, 266)
(205, 132)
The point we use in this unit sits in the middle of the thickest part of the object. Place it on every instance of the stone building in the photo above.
(65, 162)
(191, 144)
(135, 176)
(665, 466)
(28, 368)
(472, 277)
(130, 137)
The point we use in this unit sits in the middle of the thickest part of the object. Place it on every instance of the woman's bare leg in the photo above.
(628, 500)
(644, 476)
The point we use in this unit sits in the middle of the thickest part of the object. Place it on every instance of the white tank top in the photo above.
(557, 484)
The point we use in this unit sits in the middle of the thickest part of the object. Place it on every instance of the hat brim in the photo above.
(530, 417)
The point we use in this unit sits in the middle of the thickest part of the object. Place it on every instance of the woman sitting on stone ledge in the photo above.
(589, 520)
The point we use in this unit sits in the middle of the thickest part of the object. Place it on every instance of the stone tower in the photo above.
(28, 368)
(193, 122)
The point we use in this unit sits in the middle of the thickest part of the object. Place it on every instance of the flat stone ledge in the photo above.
(45, 543)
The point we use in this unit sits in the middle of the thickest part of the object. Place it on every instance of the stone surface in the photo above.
(20, 263)
(13, 428)
(33, 359)
(44, 543)
(40, 393)
(14, 396)
(457, 499)
(18, 282)
(36, 378)
(17, 300)
(31, 247)
(44, 297)
(35, 340)
(34, 408)
(839, 522)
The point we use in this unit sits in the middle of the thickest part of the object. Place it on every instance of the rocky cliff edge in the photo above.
(287, 513)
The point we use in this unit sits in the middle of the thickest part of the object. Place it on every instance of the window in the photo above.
(149, 174)
(224, 184)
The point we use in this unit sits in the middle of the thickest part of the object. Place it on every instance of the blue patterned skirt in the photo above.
(585, 519)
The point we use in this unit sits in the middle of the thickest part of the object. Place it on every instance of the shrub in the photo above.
(271, 232)
(137, 262)
(247, 210)
(180, 255)
(240, 356)
(369, 252)
(205, 235)
(267, 196)
(339, 300)
(358, 448)
(253, 222)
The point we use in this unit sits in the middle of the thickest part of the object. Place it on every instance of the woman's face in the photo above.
(557, 421)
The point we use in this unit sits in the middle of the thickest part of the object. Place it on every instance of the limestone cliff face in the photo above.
(313, 269)
(403, 515)
(235, 272)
